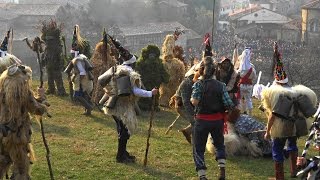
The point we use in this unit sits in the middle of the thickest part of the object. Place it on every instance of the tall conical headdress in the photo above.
(280, 75)
(104, 36)
(124, 53)
(4, 44)
(208, 49)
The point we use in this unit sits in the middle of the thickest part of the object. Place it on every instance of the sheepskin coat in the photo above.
(270, 97)
(124, 108)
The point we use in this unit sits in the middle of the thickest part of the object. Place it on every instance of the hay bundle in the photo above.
(101, 61)
(175, 69)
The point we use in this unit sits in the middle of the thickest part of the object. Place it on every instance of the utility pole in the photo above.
(213, 12)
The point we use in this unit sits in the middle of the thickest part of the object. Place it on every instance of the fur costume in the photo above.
(52, 56)
(174, 67)
(101, 61)
(17, 101)
(7, 61)
(85, 83)
(124, 108)
(239, 140)
(270, 97)
(179, 54)
(152, 72)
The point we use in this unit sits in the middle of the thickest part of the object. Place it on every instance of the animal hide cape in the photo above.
(8, 60)
(236, 144)
(85, 83)
(270, 97)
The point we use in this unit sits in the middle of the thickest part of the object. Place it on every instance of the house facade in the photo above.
(136, 37)
(259, 23)
(311, 22)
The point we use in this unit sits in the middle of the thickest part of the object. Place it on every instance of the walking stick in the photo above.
(145, 161)
(68, 75)
(40, 120)
(171, 125)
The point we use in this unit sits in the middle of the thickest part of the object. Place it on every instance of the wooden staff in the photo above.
(11, 42)
(68, 75)
(145, 161)
(171, 125)
(40, 118)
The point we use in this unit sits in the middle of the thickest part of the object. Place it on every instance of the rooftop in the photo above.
(265, 16)
(243, 12)
(10, 11)
(150, 28)
(312, 5)
(173, 3)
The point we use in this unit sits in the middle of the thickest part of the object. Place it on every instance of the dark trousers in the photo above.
(278, 145)
(123, 136)
(200, 133)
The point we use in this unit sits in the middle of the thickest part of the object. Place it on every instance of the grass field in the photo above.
(84, 148)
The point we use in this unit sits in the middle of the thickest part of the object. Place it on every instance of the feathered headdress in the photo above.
(280, 75)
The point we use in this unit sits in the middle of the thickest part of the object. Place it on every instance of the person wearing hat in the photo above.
(4, 45)
(286, 108)
(211, 100)
(123, 86)
(82, 78)
(182, 99)
(247, 75)
(226, 74)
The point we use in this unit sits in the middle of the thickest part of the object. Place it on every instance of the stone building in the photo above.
(135, 37)
(311, 22)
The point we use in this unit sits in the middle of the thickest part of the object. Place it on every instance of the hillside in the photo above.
(84, 148)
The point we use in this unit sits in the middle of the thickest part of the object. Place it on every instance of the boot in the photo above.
(130, 156)
(84, 103)
(87, 112)
(202, 174)
(279, 170)
(122, 154)
(250, 112)
(293, 163)
(222, 173)
(187, 133)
